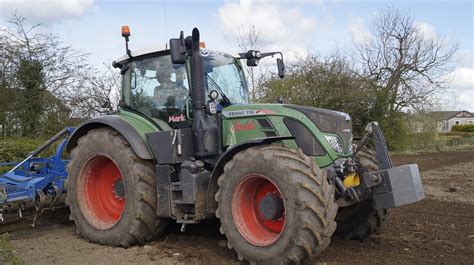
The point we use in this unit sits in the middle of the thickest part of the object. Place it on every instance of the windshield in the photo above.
(160, 89)
(225, 74)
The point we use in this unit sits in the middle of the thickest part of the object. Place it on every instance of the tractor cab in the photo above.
(157, 88)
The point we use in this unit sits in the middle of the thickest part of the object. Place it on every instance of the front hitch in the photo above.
(390, 186)
(381, 150)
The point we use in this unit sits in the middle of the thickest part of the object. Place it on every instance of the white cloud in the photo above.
(46, 10)
(466, 58)
(280, 26)
(426, 30)
(465, 100)
(461, 80)
(358, 30)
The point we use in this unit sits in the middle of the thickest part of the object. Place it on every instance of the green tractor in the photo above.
(187, 145)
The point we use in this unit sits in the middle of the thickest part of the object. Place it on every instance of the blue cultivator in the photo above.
(35, 184)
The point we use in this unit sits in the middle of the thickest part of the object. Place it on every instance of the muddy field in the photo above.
(440, 229)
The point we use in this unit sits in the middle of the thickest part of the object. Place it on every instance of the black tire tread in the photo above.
(144, 225)
(317, 218)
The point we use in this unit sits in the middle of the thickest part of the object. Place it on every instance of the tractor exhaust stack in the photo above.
(204, 128)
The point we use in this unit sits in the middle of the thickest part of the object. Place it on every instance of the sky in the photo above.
(294, 27)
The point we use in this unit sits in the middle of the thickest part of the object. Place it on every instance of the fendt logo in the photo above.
(237, 126)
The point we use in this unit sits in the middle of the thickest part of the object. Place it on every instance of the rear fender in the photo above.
(133, 137)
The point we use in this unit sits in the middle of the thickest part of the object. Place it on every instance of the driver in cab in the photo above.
(171, 91)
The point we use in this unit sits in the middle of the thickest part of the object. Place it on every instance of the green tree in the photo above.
(328, 83)
(31, 79)
(41, 80)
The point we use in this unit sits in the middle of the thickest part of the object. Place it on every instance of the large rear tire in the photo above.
(360, 220)
(300, 222)
(111, 191)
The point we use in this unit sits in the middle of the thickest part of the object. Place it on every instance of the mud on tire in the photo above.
(359, 221)
(308, 199)
(137, 221)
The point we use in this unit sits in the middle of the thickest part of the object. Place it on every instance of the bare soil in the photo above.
(439, 229)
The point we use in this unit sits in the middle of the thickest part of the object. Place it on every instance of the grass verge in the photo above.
(8, 254)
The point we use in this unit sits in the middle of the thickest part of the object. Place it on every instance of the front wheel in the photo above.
(275, 205)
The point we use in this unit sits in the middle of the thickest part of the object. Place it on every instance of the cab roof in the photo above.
(164, 47)
(148, 50)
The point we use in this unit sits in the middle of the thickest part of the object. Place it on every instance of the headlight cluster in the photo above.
(334, 142)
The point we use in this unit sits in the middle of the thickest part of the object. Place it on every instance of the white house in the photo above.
(447, 119)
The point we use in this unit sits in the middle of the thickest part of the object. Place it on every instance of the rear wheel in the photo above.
(275, 206)
(111, 191)
(360, 220)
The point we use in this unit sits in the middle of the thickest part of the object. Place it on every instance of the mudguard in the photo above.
(121, 126)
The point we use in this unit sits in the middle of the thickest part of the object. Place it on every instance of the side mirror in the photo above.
(178, 50)
(281, 68)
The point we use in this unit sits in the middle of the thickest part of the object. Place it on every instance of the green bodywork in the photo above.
(244, 128)
(142, 125)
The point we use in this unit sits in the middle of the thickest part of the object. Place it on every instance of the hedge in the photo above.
(463, 128)
(15, 149)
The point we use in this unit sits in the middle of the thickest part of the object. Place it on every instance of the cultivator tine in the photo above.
(16, 221)
(14, 225)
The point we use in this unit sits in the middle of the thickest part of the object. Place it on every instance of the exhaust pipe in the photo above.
(205, 130)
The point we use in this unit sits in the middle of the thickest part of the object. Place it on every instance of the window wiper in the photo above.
(225, 99)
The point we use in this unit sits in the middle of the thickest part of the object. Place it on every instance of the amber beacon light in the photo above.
(125, 31)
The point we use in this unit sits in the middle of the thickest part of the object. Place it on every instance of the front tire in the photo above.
(111, 191)
(300, 222)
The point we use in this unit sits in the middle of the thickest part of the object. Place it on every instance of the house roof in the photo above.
(446, 115)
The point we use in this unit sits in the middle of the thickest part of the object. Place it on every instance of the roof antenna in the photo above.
(166, 25)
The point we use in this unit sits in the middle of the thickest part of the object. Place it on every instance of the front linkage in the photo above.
(389, 186)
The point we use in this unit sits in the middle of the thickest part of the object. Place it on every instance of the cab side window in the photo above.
(160, 89)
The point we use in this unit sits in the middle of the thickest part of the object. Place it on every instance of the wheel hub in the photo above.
(119, 190)
(271, 207)
(258, 210)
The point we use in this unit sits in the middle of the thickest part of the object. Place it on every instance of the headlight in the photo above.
(334, 142)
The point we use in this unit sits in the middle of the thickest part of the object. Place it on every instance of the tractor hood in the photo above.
(329, 121)
(319, 130)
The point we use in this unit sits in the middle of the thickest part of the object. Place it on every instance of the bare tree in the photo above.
(62, 66)
(46, 84)
(406, 64)
(249, 39)
(99, 95)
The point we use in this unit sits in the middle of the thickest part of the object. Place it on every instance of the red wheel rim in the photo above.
(246, 213)
(101, 192)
